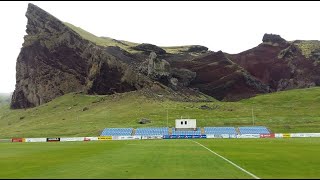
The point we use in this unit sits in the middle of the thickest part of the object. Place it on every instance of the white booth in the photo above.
(186, 123)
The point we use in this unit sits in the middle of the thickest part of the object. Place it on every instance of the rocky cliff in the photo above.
(221, 78)
(55, 60)
(281, 64)
(59, 58)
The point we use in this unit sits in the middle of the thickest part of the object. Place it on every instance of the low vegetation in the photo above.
(286, 111)
(5, 98)
(307, 47)
(126, 45)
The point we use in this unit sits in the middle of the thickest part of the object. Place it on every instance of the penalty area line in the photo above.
(254, 176)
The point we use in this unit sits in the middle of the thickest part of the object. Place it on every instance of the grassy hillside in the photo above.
(287, 111)
(102, 41)
(126, 45)
(5, 99)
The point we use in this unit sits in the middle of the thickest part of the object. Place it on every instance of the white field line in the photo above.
(254, 176)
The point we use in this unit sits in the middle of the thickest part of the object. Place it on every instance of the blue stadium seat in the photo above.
(117, 132)
(254, 130)
(152, 131)
(220, 130)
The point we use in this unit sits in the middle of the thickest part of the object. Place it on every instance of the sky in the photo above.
(230, 26)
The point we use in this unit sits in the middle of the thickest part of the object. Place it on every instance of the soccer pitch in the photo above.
(172, 158)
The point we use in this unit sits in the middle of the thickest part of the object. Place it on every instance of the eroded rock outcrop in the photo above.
(273, 38)
(219, 77)
(55, 60)
(160, 70)
(197, 48)
(157, 68)
(148, 48)
(283, 66)
(183, 76)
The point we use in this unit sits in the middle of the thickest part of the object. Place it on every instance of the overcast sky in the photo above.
(228, 26)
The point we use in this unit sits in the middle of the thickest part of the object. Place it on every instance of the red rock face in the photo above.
(282, 67)
(219, 77)
(262, 62)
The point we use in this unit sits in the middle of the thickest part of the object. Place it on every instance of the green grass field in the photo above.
(282, 112)
(265, 158)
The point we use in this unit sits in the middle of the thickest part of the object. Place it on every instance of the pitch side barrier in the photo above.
(208, 136)
(58, 139)
(183, 136)
(271, 135)
(296, 135)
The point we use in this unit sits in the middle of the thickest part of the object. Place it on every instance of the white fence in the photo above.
(209, 136)
(296, 135)
(126, 137)
(35, 139)
(152, 137)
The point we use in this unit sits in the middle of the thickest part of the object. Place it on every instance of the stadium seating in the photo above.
(117, 132)
(220, 130)
(188, 132)
(152, 131)
(254, 130)
(165, 131)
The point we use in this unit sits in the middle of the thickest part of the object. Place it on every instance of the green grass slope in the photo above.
(102, 41)
(5, 99)
(142, 159)
(126, 45)
(286, 111)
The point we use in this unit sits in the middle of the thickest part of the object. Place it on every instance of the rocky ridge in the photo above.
(56, 58)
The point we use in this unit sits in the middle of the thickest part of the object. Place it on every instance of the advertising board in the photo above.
(126, 137)
(305, 134)
(53, 139)
(221, 136)
(286, 135)
(104, 138)
(272, 135)
(66, 139)
(90, 139)
(152, 137)
(312, 134)
(183, 136)
(35, 139)
(17, 140)
(248, 136)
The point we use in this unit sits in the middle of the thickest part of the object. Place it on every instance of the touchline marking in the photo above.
(254, 176)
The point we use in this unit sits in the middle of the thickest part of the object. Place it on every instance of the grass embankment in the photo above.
(287, 111)
(5, 98)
